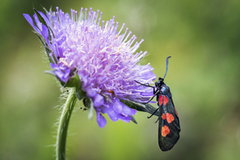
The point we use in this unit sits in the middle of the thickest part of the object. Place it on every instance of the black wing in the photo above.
(169, 126)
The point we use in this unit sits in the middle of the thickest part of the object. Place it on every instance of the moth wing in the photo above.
(169, 126)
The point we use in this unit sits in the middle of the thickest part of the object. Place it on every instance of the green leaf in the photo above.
(89, 104)
(152, 110)
(73, 82)
(133, 120)
(141, 107)
(47, 49)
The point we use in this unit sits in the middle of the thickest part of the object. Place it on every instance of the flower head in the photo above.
(100, 54)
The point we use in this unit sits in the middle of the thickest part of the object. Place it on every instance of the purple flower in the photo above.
(102, 56)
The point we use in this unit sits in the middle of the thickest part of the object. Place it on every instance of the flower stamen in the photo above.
(63, 61)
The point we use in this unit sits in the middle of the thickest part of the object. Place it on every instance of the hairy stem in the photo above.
(63, 125)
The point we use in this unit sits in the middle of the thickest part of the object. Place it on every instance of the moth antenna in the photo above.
(166, 67)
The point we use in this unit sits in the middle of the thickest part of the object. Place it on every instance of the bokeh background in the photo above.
(203, 38)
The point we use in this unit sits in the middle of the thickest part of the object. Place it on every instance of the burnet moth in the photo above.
(169, 126)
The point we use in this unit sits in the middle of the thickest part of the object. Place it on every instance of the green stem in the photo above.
(63, 125)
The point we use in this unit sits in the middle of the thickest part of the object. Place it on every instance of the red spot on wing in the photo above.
(163, 116)
(163, 100)
(165, 131)
(160, 100)
(169, 117)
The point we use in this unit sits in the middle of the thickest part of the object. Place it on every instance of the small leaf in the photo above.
(134, 105)
(133, 120)
(47, 12)
(50, 72)
(73, 82)
(141, 107)
(47, 49)
(152, 109)
(88, 103)
(39, 17)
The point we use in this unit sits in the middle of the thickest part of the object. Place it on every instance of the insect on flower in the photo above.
(169, 126)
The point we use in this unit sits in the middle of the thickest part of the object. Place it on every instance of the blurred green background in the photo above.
(203, 38)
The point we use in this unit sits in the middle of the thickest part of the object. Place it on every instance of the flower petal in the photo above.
(101, 120)
(125, 119)
(117, 106)
(98, 101)
(128, 111)
(90, 92)
(111, 113)
(30, 21)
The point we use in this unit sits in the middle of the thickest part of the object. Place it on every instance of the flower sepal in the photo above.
(133, 120)
(141, 107)
(73, 82)
(88, 103)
